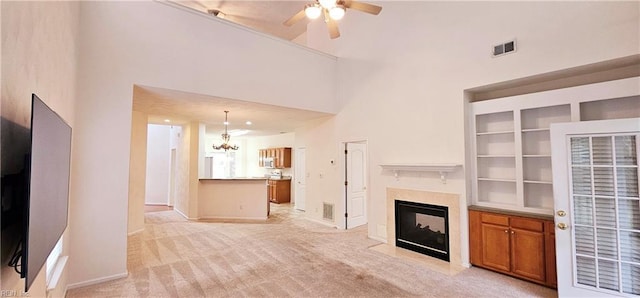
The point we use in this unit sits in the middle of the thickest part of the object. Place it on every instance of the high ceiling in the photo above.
(263, 16)
(183, 107)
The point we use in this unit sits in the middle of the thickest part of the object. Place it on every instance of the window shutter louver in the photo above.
(606, 212)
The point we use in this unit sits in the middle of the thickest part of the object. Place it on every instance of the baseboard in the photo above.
(97, 280)
(322, 222)
(183, 215)
(383, 240)
(466, 265)
(135, 232)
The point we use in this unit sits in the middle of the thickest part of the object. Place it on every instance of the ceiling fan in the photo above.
(332, 11)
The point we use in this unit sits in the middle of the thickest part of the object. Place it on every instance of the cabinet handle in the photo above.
(512, 232)
(506, 231)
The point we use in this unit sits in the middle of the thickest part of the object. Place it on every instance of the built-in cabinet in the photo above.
(512, 149)
(281, 157)
(279, 190)
(517, 245)
(511, 220)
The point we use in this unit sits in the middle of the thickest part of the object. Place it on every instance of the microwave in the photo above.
(269, 162)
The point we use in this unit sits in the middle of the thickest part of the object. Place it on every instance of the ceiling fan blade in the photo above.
(332, 25)
(364, 7)
(198, 3)
(333, 29)
(295, 18)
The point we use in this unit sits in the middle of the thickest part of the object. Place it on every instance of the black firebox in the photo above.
(423, 228)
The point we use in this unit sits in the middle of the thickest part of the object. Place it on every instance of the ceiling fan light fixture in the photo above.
(337, 13)
(312, 11)
(327, 4)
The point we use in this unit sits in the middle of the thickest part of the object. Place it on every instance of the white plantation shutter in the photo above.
(606, 212)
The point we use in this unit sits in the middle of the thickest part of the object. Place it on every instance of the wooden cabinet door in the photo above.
(495, 252)
(527, 254)
(261, 158)
(282, 191)
(279, 157)
(271, 191)
(550, 251)
(286, 157)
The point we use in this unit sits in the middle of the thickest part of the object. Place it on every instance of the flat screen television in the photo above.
(48, 172)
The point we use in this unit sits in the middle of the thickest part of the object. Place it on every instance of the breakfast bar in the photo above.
(233, 198)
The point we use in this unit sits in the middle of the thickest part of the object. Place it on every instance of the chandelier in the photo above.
(226, 137)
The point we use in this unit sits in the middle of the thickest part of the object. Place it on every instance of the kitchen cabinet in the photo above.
(279, 191)
(281, 157)
(262, 154)
(516, 245)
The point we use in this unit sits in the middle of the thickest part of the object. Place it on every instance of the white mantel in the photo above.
(441, 168)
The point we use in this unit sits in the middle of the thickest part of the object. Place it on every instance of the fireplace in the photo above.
(423, 228)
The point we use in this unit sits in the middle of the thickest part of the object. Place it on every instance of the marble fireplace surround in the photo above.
(452, 201)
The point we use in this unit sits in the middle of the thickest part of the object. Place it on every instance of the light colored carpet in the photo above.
(285, 257)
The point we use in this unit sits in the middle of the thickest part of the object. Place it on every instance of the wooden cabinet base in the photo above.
(279, 191)
(516, 245)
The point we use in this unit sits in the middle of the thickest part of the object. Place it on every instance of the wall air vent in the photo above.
(327, 211)
(504, 48)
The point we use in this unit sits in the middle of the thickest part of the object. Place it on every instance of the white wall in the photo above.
(175, 135)
(158, 162)
(402, 76)
(181, 139)
(39, 55)
(155, 44)
(137, 172)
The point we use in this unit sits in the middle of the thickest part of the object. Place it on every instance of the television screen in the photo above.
(15, 148)
(48, 198)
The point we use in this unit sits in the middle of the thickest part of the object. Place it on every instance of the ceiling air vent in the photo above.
(504, 48)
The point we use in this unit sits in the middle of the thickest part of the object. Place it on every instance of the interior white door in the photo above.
(300, 178)
(597, 207)
(356, 173)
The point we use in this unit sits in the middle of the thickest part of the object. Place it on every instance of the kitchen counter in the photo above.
(236, 178)
(280, 178)
(233, 198)
(249, 178)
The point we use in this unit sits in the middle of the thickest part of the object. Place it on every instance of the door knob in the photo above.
(562, 226)
(561, 213)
